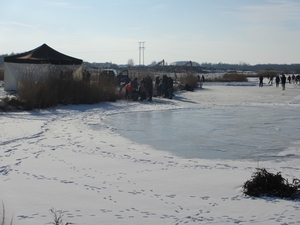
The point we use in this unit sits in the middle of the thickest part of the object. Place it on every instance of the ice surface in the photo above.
(239, 132)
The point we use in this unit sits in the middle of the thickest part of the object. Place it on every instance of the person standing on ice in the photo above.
(143, 90)
(135, 84)
(261, 78)
(164, 86)
(135, 93)
(271, 80)
(293, 78)
(149, 87)
(277, 80)
(129, 90)
(283, 80)
(170, 88)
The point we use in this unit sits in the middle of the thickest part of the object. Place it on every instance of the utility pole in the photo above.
(141, 48)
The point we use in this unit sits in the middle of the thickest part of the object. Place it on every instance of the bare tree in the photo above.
(130, 62)
(153, 63)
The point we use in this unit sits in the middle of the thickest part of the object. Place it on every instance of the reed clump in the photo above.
(263, 183)
(268, 73)
(51, 91)
(189, 78)
(229, 77)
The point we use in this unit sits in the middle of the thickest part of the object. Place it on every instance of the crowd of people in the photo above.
(144, 90)
(164, 86)
(136, 91)
(292, 79)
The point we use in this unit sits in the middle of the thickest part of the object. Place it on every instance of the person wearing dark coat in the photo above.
(283, 81)
(277, 80)
(164, 86)
(157, 81)
(170, 90)
(125, 80)
(261, 78)
(158, 85)
(143, 90)
(293, 78)
(149, 87)
(135, 84)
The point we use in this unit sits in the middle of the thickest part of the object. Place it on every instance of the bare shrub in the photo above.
(190, 79)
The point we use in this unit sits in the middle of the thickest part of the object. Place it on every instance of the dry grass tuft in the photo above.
(10, 103)
(264, 183)
(58, 218)
(234, 77)
(268, 73)
(51, 91)
(229, 77)
(189, 78)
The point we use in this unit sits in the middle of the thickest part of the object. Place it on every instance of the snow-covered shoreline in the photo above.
(52, 158)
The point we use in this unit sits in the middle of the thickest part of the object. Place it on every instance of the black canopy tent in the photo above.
(40, 61)
(43, 55)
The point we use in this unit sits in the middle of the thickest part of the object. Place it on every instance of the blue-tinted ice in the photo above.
(240, 132)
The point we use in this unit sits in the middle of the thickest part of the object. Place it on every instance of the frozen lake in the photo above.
(72, 159)
(240, 132)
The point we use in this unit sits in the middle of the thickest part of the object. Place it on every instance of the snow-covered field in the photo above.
(54, 159)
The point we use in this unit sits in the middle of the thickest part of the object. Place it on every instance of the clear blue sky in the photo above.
(228, 31)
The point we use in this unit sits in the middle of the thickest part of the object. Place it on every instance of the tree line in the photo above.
(204, 66)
